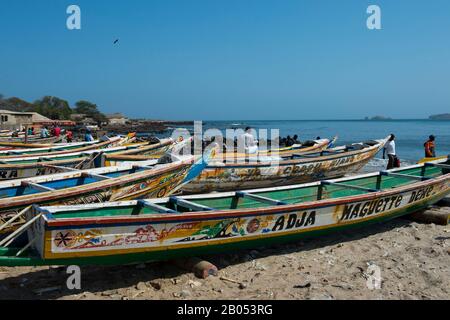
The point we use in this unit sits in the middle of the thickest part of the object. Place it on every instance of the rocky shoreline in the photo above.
(146, 126)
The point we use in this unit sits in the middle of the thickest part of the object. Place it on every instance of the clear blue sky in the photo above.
(231, 59)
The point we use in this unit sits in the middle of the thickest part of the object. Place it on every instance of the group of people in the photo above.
(251, 146)
(56, 131)
(289, 142)
(394, 161)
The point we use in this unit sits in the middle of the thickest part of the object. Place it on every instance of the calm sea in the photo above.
(411, 134)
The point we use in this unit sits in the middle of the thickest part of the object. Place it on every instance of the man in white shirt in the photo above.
(44, 133)
(389, 149)
(249, 142)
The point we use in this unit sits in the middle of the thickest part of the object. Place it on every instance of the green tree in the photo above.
(15, 104)
(91, 110)
(53, 108)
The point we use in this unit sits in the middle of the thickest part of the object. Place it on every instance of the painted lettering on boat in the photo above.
(8, 174)
(295, 221)
(421, 194)
(363, 209)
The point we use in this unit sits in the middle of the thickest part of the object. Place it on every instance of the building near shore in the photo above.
(117, 118)
(13, 120)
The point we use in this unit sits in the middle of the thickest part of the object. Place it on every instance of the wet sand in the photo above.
(413, 259)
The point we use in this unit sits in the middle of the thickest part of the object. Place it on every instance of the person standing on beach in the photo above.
(88, 136)
(296, 141)
(389, 149)
(430, 147)
(57, 131)
(69, 136)
(289, 141)
(249, 142)
(44, 132)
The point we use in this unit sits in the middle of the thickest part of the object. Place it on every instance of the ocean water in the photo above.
(410, 134)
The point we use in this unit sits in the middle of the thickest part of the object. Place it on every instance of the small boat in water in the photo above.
(424, 160)
(31, 140)
(161, 229)
(261, 172)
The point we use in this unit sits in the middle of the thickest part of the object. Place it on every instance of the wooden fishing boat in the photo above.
(21, 134)
(124, 140)
(309, 146)
(37, 166)
(31, 147)
(152, 230)
(66, 148)
(144, 153)
(32, 140)
(150, 179)
(25, 167)
(424, 160)
(260, 172)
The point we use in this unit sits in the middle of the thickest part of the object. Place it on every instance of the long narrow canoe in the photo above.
(149, 179)
(312, 146)
(153, 230)
(27, 148)
(32, 140)
(25, 167)
(144, 153)
(124, 140)
(298, 168)
(64, 149)
(424, 160)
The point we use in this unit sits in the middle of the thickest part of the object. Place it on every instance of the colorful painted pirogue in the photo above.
(25, 167)
(32, 140)
(148, 179)
(27, 148)
(64, 149)
(151, 230)
(310, 146)
(298, 168)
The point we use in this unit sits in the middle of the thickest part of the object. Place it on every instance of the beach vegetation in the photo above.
(53, 107)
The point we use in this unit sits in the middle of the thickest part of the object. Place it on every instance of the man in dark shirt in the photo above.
(430, 147)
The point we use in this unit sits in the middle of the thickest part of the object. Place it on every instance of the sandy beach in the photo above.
(413, 259)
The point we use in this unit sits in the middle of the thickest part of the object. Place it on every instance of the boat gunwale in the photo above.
(64, 152)
(71, 174)
(108, 151)
(51, 147)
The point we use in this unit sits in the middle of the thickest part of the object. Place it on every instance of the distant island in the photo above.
(378, 118)
(444, 116)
